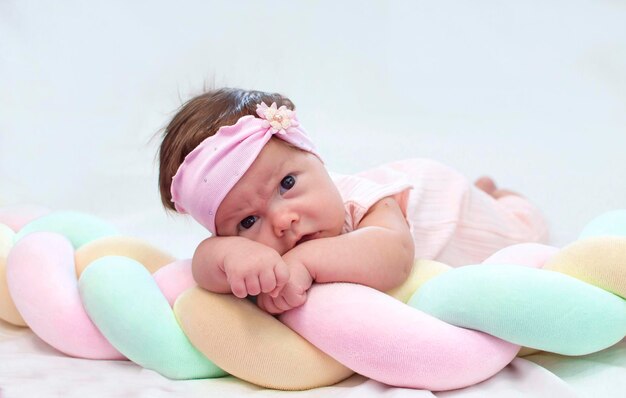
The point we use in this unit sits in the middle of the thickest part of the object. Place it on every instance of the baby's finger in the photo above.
(281, 271)
(260, 302)
(252, 285)
(294, 298)
(272, 309)
(266, 304)
(276, 291)
(268, 281)
(238, 287)
(280, 303)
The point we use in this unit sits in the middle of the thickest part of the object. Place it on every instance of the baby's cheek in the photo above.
(338, 215)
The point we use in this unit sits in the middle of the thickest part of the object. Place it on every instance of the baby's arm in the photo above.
(238, 265)
(379, 253)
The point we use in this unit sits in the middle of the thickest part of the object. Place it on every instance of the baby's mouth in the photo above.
(307, 237)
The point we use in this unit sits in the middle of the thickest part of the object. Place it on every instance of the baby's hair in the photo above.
(200, 118)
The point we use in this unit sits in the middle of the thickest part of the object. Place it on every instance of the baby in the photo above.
(240, 164)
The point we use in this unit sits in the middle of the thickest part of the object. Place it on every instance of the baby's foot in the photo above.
(486, 184)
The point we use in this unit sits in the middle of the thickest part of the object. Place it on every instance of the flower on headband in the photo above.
(279, 118)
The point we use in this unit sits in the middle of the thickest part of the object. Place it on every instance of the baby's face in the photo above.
(285, 198)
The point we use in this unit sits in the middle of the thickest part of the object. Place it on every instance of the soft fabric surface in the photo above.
(612, 223)
(487, 87)
(536, 308)
(252, 344)
(30, 368)
(355, 328)
(422, 271)
(127, 246)
(79, 228)
(42, 281)
(125, 302)
(16, 216)
(600, 261)
(423, 352)
(8, 312)
(532, 255)
(174, 279)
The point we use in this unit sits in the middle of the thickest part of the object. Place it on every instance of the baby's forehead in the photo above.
(255, 186)
(268, 165)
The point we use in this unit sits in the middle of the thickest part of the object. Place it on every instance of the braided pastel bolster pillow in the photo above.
(386, 340)
(117, 306)
(540, 305)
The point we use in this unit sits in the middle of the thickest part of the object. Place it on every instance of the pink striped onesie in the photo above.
(451, 220)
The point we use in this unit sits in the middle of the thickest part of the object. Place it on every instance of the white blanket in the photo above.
(31, 368)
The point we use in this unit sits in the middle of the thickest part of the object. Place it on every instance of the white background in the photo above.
(532, 93)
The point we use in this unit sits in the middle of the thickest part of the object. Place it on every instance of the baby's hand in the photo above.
(293, 294)
(487, 185)
(255, 268)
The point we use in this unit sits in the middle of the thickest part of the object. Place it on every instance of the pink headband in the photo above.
(210, 171)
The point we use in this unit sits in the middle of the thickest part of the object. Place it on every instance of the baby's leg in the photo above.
(491, 219)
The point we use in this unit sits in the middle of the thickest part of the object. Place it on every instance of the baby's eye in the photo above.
(248, 222)
(287, 183)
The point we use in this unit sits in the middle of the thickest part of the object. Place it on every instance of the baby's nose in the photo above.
(283, 222)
